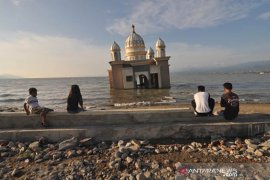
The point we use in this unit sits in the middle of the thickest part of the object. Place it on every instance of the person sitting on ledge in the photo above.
(74, 100)
(31, 106)
(229, 101)
(203, 104)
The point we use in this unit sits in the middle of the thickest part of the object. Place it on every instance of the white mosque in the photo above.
(140, 69)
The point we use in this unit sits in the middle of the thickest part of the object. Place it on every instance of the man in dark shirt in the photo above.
(230, 101)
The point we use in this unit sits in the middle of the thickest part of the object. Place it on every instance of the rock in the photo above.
(79, 152)
(215, 140)
(38, 160)
(250, 150)
(252, 146)
(56, 155)
(219, 178)
(144, 142)
(129, 160)
(3, 149)
(124, 156)
(11, 144)
(16, 172)
(138, 165)
(134, 148)
(166, 161)
(178, 165)
(54, 176)
(155, 165)
(87, 142)
(111, 164)
(42, 140)
(136, 142)
(258, 177)
(123, 149)
(157, 151)
(34, 146)
(71, 153)
(258, 153)
(4, 154)
(252, 141)
(249, 157)
(169, 169)
(24, 155)
(237, 141)
(120, 143)
(147, 174)
(68, 144)
(140, 176)
(265, 144)
(3, 142)
(163, 171)
(117, 154)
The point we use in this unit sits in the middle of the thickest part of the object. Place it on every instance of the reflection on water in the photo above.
(138, 95)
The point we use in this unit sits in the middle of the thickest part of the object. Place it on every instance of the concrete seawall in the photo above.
(126, 124)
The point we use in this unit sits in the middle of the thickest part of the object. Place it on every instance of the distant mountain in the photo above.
(247, 67)
(9, 76)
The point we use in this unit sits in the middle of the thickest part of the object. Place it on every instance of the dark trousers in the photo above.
(211, 104)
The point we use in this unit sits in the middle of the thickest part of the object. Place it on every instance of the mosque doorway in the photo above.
(154, 80)
(142, 82)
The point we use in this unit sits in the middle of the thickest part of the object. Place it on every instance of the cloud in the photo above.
(158, 15)
(195, 56)
(265, 16)
(16, 2)
(32, 55)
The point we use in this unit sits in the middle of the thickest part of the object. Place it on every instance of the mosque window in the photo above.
(129, 78)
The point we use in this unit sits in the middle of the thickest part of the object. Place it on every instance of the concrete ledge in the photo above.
(108, 118)
(148, 131)
(127, 124)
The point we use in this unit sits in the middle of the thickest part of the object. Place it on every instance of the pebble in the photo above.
(258, 153)
(120, 143)
(129, 160)
(140, 176)
(68, 144)
(120, 160)
(155, 165)
(16, 172)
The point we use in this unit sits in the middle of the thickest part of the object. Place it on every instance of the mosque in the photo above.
(140, 68)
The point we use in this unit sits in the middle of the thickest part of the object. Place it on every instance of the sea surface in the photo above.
(53, 92)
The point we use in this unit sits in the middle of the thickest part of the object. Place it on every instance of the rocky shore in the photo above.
(90, 158)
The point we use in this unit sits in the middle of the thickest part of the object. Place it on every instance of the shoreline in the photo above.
(245, 108)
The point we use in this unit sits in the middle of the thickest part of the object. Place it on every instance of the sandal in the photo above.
(44, 124)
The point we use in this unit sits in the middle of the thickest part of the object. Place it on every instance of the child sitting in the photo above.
(31, 106)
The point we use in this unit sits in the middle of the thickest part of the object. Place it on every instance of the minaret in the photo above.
(115, 52)
(160, 48)
(150, 54)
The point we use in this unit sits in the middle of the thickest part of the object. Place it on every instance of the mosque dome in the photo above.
(134, 40)
(115, 47)
(134, 46)
(160, 43)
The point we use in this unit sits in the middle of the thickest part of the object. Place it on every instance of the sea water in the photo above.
(53, 92)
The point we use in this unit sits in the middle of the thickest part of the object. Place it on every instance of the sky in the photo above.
(72, 38)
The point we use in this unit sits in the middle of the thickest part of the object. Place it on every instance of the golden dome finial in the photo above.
(133, 28)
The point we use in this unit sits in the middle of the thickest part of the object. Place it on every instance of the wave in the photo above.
(12, 100)
(6, 95)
